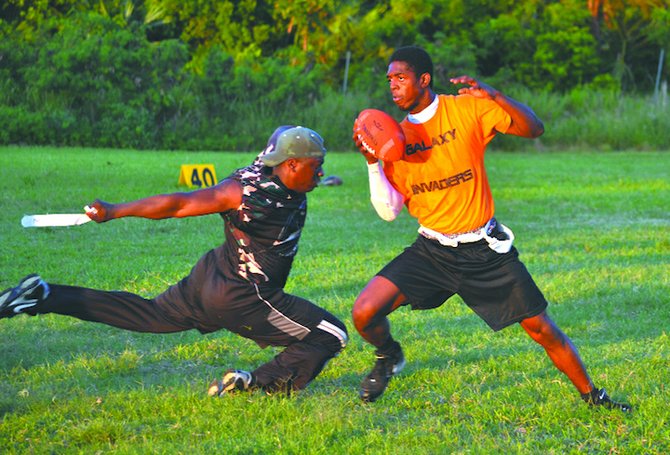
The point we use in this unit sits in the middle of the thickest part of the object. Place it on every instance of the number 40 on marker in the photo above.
(197, 175)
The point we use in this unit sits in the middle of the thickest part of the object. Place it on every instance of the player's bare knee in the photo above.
(365, 319)
(360, 312)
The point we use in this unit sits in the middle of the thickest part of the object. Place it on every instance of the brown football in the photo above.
(381, 135)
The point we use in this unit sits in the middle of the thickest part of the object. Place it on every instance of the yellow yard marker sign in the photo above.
(197, 175)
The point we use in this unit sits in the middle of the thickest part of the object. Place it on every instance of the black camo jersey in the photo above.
(262, 234)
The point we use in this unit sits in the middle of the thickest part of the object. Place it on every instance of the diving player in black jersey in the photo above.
(237, 286)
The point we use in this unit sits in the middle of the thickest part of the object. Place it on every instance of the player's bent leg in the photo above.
(378, 299)
(297, 365)
(565, 357)
(559, 348)
(311, 336)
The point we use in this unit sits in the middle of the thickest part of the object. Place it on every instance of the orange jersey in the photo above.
(442, 175)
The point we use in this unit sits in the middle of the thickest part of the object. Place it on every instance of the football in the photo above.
(381, 135)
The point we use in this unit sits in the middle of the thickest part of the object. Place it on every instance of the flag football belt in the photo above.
(498, 236)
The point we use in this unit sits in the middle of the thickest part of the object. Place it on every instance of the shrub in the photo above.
(91, 81)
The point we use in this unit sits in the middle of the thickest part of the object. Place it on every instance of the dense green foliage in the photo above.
(215, 74)
(591, 227)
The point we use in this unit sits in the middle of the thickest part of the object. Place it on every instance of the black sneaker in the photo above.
(30, 291)
(375, 383)
(599, 397)
(232, 381)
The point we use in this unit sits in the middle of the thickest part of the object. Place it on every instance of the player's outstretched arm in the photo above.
(224, 196)
(524, 121)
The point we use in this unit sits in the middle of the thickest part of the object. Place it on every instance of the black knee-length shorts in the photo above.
(496, 286)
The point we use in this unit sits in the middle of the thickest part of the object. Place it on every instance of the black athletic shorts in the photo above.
(496, 286)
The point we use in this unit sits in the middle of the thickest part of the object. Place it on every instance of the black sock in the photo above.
(592, 396)
(389, 348)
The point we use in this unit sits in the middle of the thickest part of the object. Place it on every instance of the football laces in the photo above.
(366, 146)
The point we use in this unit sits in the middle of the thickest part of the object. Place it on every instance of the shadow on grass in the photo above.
(51, 355)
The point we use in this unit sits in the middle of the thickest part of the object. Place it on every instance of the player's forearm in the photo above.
(525, 122)
(154, 207)
(224, 196)
(386, 200)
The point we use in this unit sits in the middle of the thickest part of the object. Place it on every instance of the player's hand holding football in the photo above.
(359, 144)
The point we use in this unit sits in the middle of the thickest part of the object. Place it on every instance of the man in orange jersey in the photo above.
(461, 248)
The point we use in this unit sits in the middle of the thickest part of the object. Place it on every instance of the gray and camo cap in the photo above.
(296, 142)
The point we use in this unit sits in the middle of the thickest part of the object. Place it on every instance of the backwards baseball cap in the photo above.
(296, 142)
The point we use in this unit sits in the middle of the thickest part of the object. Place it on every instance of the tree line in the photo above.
(194, 74)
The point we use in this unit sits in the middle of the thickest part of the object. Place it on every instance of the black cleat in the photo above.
(599, 397)
(375, 383)
(30, 291)
(232, 381)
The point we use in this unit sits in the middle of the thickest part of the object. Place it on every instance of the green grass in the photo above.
(593, 229)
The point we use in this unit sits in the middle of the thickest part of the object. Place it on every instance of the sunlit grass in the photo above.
(592, 228)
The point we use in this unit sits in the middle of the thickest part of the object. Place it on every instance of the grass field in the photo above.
(592, 228)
